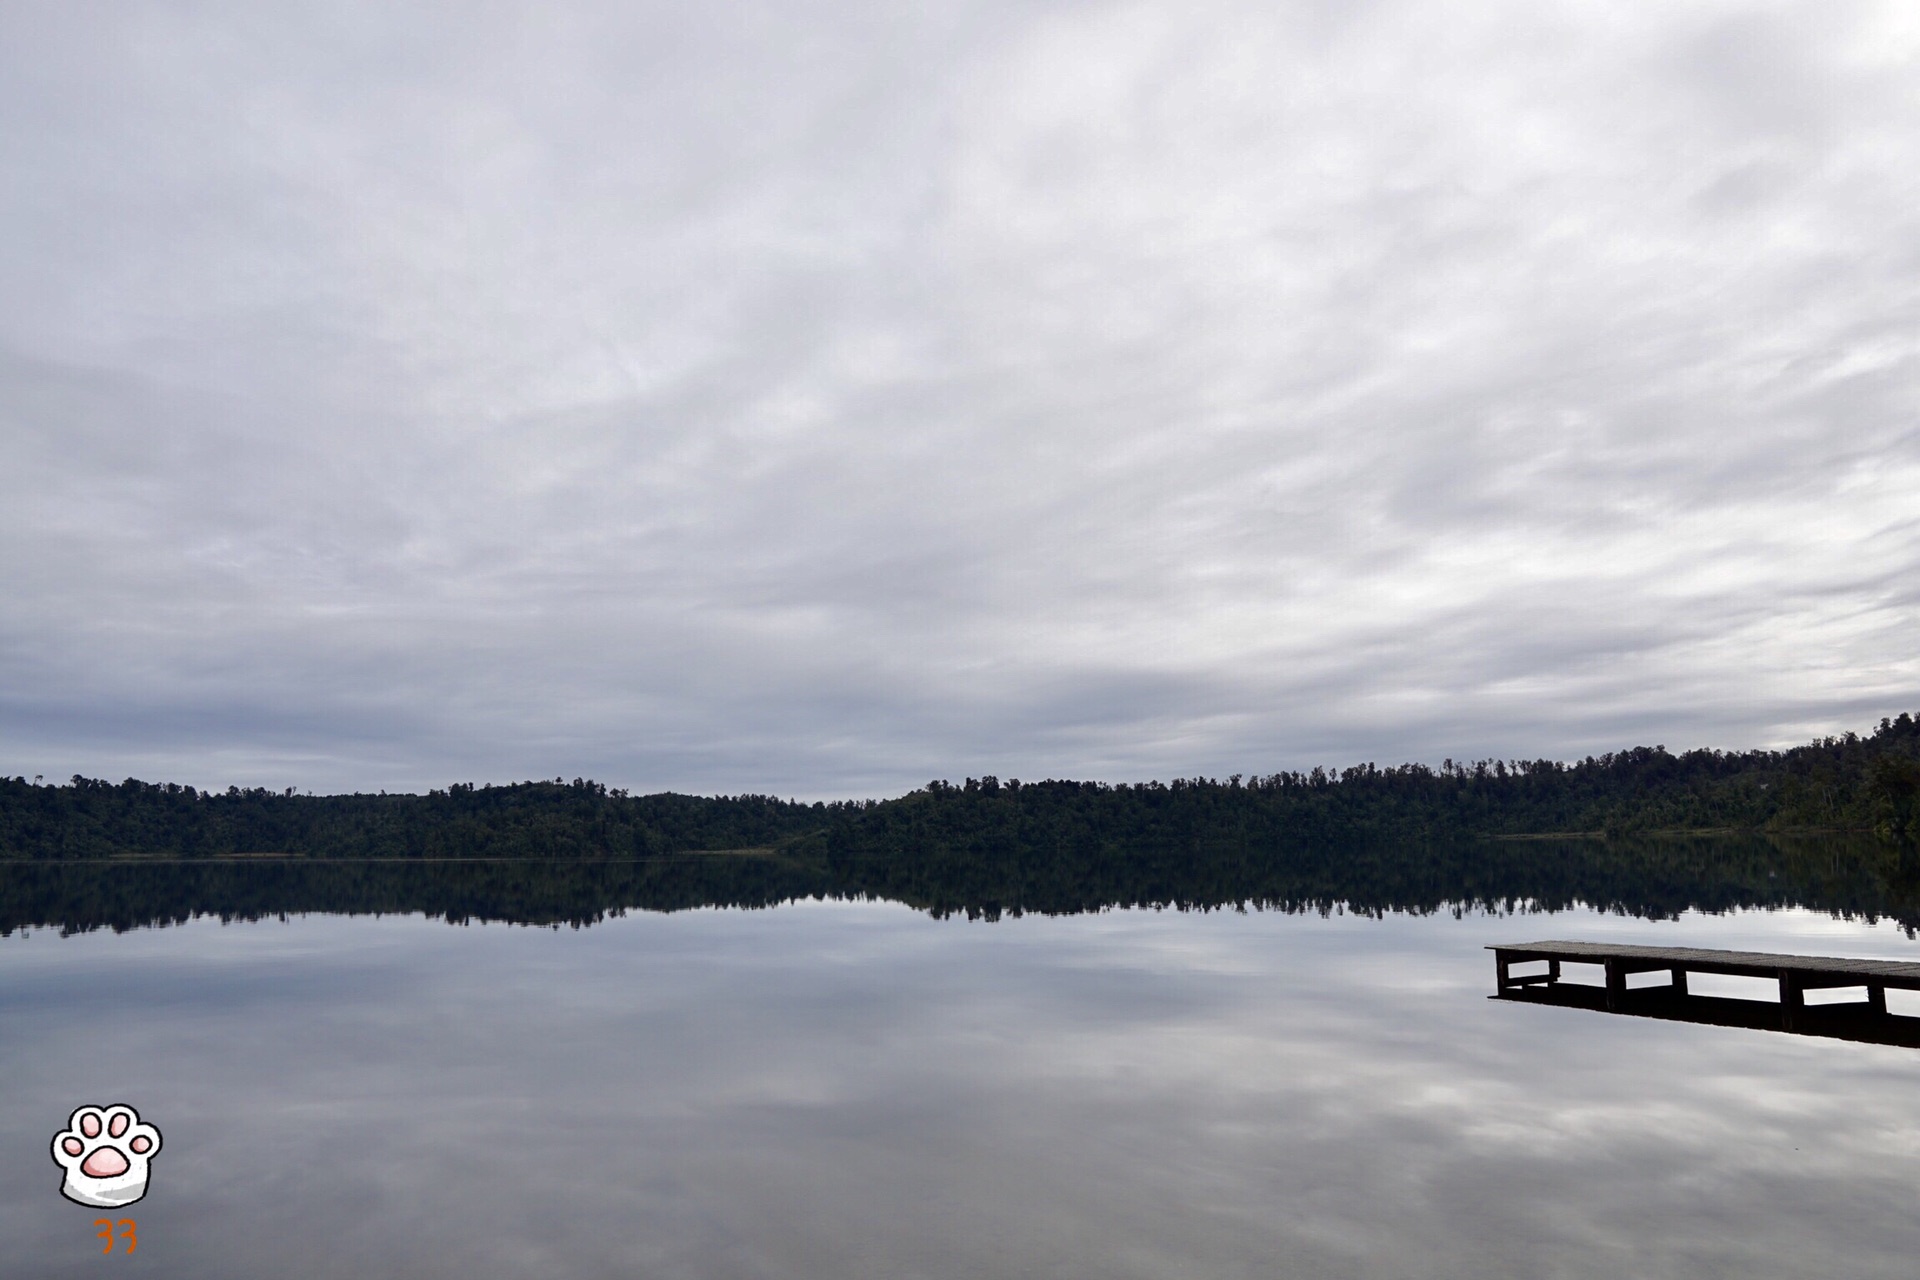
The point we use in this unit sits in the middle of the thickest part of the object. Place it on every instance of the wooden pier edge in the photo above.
(1795, 974)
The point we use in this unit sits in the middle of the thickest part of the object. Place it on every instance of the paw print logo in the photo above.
(106, 1152)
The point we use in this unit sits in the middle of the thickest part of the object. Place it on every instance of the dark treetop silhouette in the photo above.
(1828, 824)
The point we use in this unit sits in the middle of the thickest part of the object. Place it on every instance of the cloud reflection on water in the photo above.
(855, 1089)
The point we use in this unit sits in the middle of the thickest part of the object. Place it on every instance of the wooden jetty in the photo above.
(1864, 1019)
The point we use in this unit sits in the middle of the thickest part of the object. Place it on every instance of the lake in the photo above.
(831, 1088)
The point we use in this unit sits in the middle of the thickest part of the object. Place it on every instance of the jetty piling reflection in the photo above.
(1866, 1019)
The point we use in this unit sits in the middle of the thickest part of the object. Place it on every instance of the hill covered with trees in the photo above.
(1855, 783)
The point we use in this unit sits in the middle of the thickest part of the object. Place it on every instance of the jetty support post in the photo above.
(1503, 962)
(1792, 998)
(1616, 984)
(1877, 996)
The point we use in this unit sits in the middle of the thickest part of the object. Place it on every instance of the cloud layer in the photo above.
(820, 400)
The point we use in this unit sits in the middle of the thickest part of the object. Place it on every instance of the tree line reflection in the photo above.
(1656, 877)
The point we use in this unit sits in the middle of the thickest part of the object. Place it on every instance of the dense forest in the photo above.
(1850, 783)
(1828, 825)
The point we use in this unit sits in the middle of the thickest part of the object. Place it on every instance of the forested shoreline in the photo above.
(1853, 783)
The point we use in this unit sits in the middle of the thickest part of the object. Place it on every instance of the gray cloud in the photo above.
(820, 402)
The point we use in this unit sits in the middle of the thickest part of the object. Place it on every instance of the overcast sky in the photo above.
(821, 398)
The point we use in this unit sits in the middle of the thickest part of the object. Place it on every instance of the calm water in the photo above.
(831, 1089)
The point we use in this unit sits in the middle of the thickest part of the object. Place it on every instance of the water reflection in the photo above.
(843, 1089)
(840, 1088)
(1648, 877)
